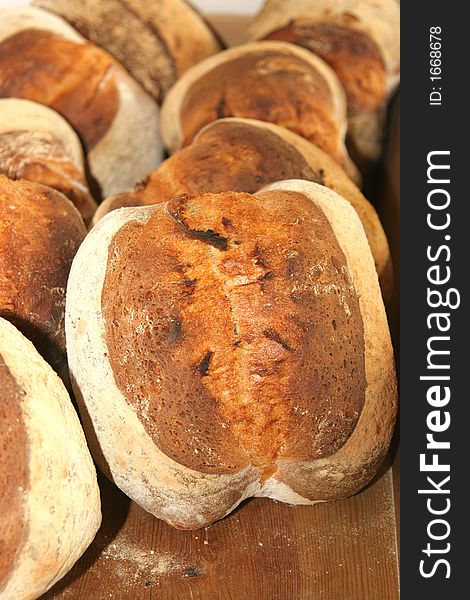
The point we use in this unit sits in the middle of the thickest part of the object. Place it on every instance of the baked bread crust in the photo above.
(56, 504)
(156, 41)
(360, 40)
(356, 462)
(43, 59)
(222, 338)
(40, 232)
(244, 155)
(37, 144)
(271, 81)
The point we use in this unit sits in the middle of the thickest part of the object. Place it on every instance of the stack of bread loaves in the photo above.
(240, 330)
(360, 40)
(43, 59)
(37, 144)
(71, 120)
(244, 155)
(222, 322)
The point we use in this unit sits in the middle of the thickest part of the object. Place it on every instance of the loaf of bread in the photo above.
(42, 58)
(360, 40)
(244, 155)
(156, 41)
(270, 81)
(37, 144)
(40, 232)
(49, 497)
(232, 345)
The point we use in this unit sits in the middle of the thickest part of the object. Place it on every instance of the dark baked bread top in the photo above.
(268, 85)
(14, 472)
(229, 156)
(75, 79)
(244, 155)
(234, 330)
(354, 56)
(234, 156)
(40, 232)
(108, 24)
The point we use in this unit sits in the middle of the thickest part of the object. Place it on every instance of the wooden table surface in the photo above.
(265, 550)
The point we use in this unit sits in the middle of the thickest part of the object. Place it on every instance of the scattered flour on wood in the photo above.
(132, 560)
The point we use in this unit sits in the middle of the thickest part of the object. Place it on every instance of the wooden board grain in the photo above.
(344, 550)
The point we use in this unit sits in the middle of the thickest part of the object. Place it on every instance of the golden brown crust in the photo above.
(229, 155)
(245, 155)
(274, 82)
(73, 78)
(156, 41)
(377, 21)
(182, 496)
(268, 87)
(233, 276)
(66, 179)
(358, 460)
(118, 29)
(39, 158)
(360, 40)
(213, 372)
(144, 320)
(14, 473)
(355, 463)
(354, 57)
(43, 58)
(40, 231)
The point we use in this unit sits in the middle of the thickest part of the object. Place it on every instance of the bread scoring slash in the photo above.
(231, 345)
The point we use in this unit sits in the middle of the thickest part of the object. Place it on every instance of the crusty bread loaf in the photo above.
(270, 81)
(37, 144)
(43, 59)
(156, 41)
(40, 232)
(244, 155)
(360, 40)
(232, 345)
(49, 497)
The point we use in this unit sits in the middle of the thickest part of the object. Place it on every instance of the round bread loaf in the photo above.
(270, 81)
(156, 41)
(360, 40)
(40, 232)
(37, 144)
(244, 155)
(49, 497)
(42, 58)
(232, 345)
